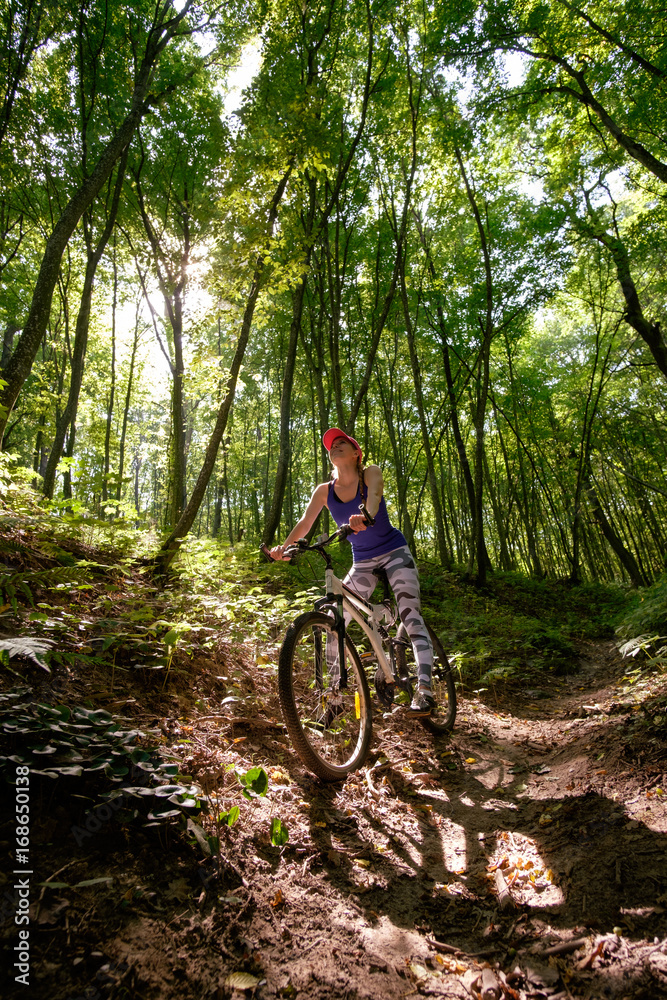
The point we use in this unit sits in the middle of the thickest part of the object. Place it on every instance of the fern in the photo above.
(26, 582)
(11, 545)
(29, 648)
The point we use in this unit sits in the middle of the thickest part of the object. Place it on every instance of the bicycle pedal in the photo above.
(384, 690)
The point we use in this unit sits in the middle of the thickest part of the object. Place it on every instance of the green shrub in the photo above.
(648, 614)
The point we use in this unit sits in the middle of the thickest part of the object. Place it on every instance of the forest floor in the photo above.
(522, 856)
(388, 885)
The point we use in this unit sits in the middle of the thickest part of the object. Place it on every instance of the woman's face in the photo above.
(342, 449)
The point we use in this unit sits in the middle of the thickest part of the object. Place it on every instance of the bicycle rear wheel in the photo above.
(330, 727)
(441, 719)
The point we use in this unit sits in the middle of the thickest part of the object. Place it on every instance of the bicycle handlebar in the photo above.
(301, 544)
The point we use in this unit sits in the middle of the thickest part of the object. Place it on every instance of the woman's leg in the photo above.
(404, 581)
(361, 579)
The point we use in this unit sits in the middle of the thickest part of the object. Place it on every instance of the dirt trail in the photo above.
(539, 823)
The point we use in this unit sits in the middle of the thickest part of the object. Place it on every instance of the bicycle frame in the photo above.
(368, 617)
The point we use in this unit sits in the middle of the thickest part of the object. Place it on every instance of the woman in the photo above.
(377, 546)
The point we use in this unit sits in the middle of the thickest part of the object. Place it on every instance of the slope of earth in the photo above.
(521, 857)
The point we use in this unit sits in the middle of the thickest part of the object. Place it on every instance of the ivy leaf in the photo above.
(278, 832)
(230, 817)
(255, 782)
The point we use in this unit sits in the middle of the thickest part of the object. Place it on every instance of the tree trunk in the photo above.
(441, 544)
(651, 333)
(479, 413)
(501, 517)
(405, 521)
(8, 342)
(178, 468)
(273, 520)
(68, 417)
(451, 392)
(626, 558)
(112, 388)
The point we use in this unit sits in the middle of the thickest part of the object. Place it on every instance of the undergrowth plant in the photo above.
(250, 599)
(516, 630)
(255, 786)
(99, 759)
(643, 630)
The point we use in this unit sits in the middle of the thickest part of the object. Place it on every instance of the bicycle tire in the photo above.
(441, 720)
(330, 729)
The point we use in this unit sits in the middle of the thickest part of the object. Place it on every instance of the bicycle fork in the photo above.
(335, 594)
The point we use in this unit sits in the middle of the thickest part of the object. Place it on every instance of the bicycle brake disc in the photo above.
(385, 691)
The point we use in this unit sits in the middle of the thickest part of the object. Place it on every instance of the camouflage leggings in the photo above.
(404, 581)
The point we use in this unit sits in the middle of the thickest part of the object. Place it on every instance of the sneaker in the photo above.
(423, 703)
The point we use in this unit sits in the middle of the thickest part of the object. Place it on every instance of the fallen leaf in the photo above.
(179, 889)
(279, 777)
(241, 981)
(278, 899)
(419, 972)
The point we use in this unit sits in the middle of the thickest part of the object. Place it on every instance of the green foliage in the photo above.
(278, 833)
(88, 747)
(17, 494)
(576, 405)
(27, 584)
(247, 598)
(648, 612)
(255, 782)
(230, 817)
(644, 628)
(653, 650)
(518, 628)
(35, 650)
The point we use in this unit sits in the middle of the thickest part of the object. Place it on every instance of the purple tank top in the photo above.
(378, 538)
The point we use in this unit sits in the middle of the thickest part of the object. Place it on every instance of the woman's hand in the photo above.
(357, 523)
(277, 552)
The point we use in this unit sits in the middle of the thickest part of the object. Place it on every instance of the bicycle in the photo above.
(324, 693)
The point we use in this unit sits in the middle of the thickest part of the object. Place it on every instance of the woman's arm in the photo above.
(300, 530)
(375, 484)
(375, 489)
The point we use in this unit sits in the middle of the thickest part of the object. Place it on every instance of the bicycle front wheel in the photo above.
(330, 726)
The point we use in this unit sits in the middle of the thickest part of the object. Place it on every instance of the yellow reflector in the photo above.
(357, 705)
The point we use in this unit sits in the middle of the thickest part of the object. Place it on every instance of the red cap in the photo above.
(336, 432)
